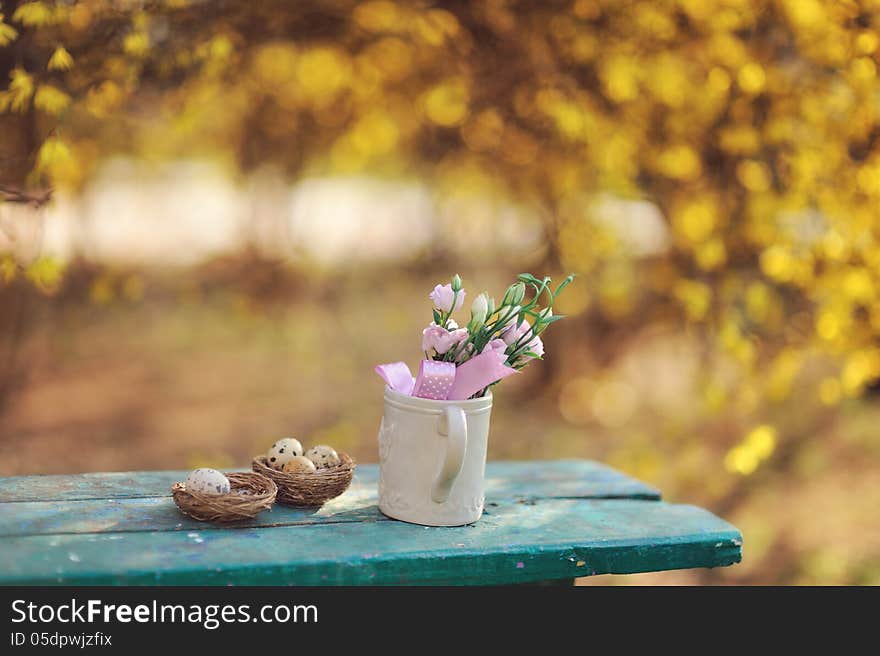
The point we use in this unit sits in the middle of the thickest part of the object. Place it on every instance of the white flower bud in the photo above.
(479, 311)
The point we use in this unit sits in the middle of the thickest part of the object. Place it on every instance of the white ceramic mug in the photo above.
(432, 459)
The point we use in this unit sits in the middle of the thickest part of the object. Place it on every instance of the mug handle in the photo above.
(453, 425)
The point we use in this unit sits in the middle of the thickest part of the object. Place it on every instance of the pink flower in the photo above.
(441, 340)
(465, 354)
(458, 335)
(497, 345)
(535, 346)
(442, 296)
(514, 332)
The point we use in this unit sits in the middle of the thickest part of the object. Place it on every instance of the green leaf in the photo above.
(436, 316)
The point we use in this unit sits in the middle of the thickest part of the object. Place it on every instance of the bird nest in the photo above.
(309, 489)
(249, 494)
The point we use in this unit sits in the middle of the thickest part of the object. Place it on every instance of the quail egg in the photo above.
(323, 456)
(207, 481)
(282, 451)
(298, 465)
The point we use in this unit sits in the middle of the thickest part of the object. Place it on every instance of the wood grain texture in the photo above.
(75, 508)
(561, 478)
(515, 542)
(543, 520)
(160, 514)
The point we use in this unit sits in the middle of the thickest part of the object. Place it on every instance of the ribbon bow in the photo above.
(444, 381)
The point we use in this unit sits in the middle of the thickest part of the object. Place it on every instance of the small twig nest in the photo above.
(309, 489)
(249, 494)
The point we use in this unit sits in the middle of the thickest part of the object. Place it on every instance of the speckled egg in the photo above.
(299, 465)
(323, 456)
(207, 481)
(282, 451)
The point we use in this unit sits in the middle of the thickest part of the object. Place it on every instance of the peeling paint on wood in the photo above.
(561, 478)
(544, 520)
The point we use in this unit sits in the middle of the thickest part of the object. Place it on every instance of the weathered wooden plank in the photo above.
(517, 542)
(549, 479)
(160, 514)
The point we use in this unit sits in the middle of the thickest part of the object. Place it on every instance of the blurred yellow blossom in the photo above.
(696, 298)
(751, 78)
(436, 26)
(696, 219)
(101, 291)
(828, 324)
(32, 14)
(102, 99)
(46, 273)
(8, 34)
(8, 268)
(711, 254)
(50, 99)
(60, 60)
(322, 73)
(757, 446)
(378, 16)
(620, 78)
(136, 44)
(753, 175)
(447, 103)
(18, 96)
(53, 155)
(375, 133)
(679, 162)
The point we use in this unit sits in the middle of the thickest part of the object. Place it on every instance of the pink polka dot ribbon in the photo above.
(477, 373)
(435, 379)
(444, 381)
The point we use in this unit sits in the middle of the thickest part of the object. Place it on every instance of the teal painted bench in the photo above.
(544, 521)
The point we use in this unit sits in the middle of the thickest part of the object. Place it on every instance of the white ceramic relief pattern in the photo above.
(386, 434)
(393, 500)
